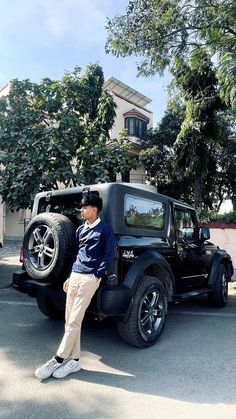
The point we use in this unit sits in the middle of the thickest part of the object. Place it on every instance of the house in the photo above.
(131, 114)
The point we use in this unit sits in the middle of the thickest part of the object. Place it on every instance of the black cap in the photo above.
(91, 199)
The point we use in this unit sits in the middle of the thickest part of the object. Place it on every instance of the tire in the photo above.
(219, 296)
(48, 248)
(48, 307)
(148, 314)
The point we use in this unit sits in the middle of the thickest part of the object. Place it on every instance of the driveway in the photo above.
(189, 373)
(9, 262)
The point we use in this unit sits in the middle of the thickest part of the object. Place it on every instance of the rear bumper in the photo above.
(22, 282)
(109, 300)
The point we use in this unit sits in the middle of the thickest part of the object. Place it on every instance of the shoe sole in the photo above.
(71, 372)
(43, 378)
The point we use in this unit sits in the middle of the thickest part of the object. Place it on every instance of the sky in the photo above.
(45, 38)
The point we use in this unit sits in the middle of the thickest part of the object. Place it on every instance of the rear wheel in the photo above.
(148, 314)
(219, 296)
(49, 306)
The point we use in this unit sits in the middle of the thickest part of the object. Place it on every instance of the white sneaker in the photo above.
(47, 369)
(69, 366)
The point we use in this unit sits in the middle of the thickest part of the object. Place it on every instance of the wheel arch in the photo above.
(220, 257)
(154, 264)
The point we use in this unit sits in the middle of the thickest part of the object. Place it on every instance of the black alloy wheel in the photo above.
(218, 297)
(147, 315)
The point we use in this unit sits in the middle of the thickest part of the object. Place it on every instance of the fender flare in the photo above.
(147, 259)
(220, 256)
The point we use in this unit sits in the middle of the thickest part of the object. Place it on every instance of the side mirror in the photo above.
(204, 233)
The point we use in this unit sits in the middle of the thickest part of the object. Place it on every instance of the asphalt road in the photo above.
(189, 374)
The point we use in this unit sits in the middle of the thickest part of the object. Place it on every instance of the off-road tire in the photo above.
(219, 296)
(49, 306)
(48, 248)
(147, 316)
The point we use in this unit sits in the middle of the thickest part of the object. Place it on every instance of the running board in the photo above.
(191, 294)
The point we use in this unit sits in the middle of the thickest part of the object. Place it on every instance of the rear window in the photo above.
(144, 213)
(68, 205)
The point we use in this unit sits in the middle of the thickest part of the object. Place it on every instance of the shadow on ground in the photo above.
(193, 360)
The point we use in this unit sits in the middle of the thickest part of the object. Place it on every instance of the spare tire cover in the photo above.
(48, 247)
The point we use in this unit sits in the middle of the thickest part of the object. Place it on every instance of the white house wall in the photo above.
(15, 223)
(124, 106)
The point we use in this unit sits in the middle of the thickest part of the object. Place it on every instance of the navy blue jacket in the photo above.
(95, 249)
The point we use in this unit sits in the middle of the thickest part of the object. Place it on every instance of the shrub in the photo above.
(210, 216)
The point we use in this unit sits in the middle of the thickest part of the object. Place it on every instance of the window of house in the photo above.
(144, 213)
(136, 126)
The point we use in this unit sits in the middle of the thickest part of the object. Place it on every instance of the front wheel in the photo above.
(148, 314)
(219, 296)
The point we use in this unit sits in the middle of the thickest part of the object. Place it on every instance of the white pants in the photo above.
(80, 291)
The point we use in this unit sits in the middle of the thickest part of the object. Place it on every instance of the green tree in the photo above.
(161, 162)
(161, 31)
(157, 157)
(227, 78)
(200, 131)
(57, 132)
(225, 183)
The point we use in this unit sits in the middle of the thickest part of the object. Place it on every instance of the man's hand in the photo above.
(66, 284)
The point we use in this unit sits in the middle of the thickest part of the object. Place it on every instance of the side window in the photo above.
(185, 223)
(144, 213)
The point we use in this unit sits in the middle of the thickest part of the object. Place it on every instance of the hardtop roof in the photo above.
(147, 190)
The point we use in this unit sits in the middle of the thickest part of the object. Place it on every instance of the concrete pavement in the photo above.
(9, 262)
(189, 373)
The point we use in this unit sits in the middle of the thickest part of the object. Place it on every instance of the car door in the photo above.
(190, 254)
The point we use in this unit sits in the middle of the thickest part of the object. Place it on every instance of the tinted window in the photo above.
(185, 223)
(68, 205)
(144, 213)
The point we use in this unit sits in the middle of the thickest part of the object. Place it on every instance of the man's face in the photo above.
(89, 213)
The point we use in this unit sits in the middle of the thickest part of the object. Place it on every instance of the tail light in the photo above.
(21, 254)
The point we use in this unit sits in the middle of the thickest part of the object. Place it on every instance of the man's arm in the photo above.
(108, 251)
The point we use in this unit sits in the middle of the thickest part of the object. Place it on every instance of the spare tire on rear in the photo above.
(48, 247)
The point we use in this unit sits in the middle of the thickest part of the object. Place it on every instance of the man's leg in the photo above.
(50, 366)
(80, 294)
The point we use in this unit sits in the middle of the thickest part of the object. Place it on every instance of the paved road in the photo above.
(9, 262)
(189, 373)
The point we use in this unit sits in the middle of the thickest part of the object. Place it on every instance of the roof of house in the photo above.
(126, 92)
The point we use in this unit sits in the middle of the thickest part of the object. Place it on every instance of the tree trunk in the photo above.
(233, 199)
(197, 193)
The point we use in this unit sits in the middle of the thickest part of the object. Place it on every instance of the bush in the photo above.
(210, 216)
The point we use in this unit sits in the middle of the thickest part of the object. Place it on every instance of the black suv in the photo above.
(162, 255)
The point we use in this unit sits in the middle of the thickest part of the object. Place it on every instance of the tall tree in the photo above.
(172, 164)
(158, 153)
(161, 31)
(55, 133)
(200, 129)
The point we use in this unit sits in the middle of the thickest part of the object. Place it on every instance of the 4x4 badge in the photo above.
(129, 254)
